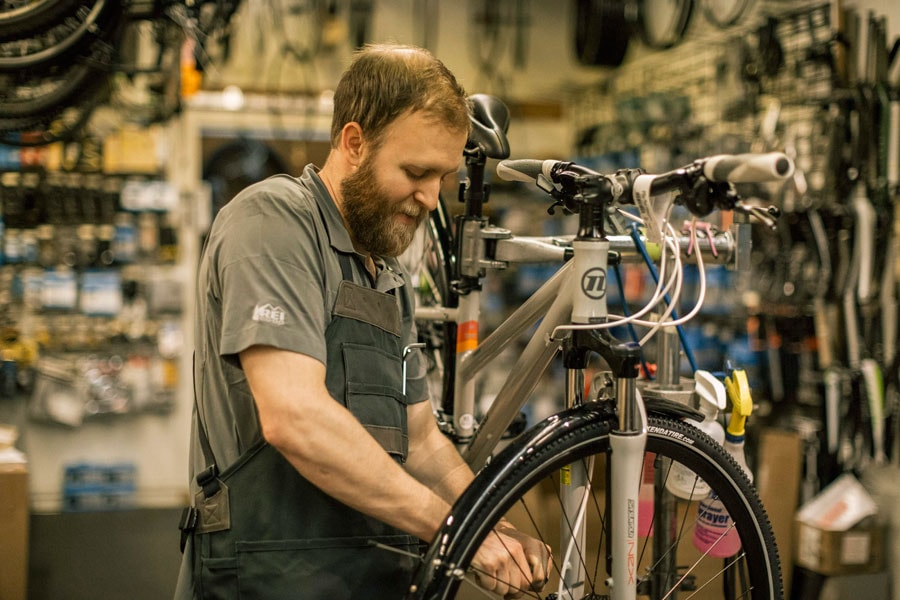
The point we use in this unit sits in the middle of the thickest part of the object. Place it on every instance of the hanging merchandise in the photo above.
(714, 532)
(710, 393)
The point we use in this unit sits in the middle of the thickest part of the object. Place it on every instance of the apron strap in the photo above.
(346, 266)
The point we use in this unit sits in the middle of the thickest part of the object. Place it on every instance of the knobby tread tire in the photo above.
(504, 481)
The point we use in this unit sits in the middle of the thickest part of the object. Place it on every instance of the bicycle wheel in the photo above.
(62, 42)
(430, 261)
(523, 485)
(18, 18)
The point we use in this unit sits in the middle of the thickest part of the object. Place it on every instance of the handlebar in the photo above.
(731, 168)
(704, 184)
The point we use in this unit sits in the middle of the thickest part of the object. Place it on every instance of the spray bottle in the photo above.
(714, 533)
(710, 392)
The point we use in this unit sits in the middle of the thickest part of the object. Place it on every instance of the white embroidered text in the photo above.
(269, 314)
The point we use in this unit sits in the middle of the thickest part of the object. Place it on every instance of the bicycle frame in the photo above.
(554, 305)
(546, 303)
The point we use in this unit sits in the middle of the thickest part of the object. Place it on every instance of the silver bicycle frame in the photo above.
(553, 304)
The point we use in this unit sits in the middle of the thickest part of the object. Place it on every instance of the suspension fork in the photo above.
(589, 307)
(627, 446)
(627, 443)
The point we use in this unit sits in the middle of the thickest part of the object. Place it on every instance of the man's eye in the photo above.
(414, 174)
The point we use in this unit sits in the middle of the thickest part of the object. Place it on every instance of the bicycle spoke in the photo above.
(580, 522)
(715, 577)
(600, 539)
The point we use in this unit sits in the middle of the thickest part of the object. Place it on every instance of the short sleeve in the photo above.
(272, 280)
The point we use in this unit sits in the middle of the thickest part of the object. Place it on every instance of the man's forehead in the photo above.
(425, 139)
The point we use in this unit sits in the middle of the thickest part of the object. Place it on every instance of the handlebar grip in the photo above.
(748, 168)
(525, 170)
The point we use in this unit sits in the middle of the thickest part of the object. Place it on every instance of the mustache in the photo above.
(414, 210)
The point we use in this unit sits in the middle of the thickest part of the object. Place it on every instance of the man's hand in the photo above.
(509, 563)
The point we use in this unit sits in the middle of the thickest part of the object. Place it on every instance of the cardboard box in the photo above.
(778, 475)
(856, 551)
(13, 531)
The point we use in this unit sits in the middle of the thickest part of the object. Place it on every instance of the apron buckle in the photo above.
(190, 516)
(208, 480)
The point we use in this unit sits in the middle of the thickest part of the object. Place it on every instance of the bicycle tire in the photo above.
(18, 21)
(434, 269)
(57, 90)
(518, 473)
(62, 125)
(81, 30)
(602, 32)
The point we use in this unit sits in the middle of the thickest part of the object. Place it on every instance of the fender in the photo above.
(467, 509)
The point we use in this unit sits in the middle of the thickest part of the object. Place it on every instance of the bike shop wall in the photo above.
(525, 58)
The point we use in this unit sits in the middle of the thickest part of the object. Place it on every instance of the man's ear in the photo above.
(352, 142)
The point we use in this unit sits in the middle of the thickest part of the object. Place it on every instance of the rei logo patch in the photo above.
(268, 314)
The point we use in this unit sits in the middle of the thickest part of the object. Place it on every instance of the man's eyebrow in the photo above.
(429, 170)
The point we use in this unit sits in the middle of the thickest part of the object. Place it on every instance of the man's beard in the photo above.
(370, 214)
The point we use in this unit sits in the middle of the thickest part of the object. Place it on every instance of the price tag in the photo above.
(101, 293)
(59, 290)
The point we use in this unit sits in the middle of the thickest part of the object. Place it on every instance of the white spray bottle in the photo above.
(710, 392)
(714, 532)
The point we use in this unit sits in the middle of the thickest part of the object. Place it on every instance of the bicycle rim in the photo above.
(431, 263)
(527, 492)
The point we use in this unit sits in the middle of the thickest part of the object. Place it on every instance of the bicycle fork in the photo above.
(626, 459)
(627, 442)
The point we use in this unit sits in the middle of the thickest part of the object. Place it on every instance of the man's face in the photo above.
(397, 184)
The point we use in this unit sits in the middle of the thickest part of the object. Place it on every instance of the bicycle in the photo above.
(598, 444)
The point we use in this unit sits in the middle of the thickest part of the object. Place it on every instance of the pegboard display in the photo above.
(719, 90)
(91, 295)
(820, 81)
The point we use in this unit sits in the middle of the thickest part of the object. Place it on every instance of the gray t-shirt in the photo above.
(269, 276)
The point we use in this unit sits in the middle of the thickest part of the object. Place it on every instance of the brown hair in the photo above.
(385, 81)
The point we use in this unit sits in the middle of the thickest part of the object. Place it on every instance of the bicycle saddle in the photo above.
(490, 120)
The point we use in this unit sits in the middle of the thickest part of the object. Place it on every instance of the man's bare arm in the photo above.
(330, 448)
(433, 459)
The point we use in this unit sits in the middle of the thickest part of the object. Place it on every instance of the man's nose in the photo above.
(428, 194)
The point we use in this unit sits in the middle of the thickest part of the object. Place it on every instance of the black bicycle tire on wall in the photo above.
(544, 450)
(602, 32)
(74, 83)
(96, 26)
(23, 20)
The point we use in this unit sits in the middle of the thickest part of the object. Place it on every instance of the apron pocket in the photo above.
(218, 578)
(373, 393)
(332, 569)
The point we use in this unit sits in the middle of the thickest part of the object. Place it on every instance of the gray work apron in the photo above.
(265, 532)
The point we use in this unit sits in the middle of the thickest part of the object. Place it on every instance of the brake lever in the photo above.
(768, 215)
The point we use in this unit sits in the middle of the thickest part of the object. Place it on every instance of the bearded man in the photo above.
(314, 475)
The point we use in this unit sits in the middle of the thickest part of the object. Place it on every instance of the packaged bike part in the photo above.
(681, 481)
